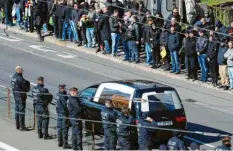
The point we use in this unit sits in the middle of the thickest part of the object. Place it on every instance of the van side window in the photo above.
(120, 99)
(89, 93)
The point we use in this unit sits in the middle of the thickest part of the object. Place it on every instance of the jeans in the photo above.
(133, 48)
(148, 53)
(76, 134)
(115, 42)
(126, 50)
(8, 18)
(62, 129)
(124, 143)
(107, 47)
(74, 29)
(175, 61)
(18, 16)
(110, 141)
(45, 29)
(230, 72)
(91, 40)
(202, 59)
(66, 29)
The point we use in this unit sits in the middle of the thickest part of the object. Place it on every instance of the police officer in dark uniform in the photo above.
(20, 87)
(226, 144)
(41, 100)
(76, 112)
(63, 114)
(144, 133)
(175, 143)
(109, 115)
(123, 131)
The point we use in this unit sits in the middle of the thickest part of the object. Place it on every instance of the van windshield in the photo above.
(167, 100)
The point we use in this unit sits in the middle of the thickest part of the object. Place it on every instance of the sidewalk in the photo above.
(91, 51)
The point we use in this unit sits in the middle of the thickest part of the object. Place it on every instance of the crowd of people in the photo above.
(71, 113)
(203, 44)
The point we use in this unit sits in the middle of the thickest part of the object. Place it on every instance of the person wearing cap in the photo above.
(190, 56)
(41, 99)
(76, 112)
(62, 115)
(20, 87)
(123, 129)
(212, 53)
(229, 56)
(226, 144)
(146, 125)
(109, 116)
(194, 146)
(175, 143)
(222, 63)
(201, 48)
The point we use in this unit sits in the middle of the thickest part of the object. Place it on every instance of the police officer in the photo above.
(226, 144)
(109, 115)
(144, 133)
(175, 143)
(20, 87)
(76, 112)
(41, 100)
(62, 113)
(123, 131)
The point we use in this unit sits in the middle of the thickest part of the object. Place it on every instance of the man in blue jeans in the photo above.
(173, 47)
(201, 48)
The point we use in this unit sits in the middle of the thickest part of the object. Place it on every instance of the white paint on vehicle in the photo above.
(200, 142)
(42, 48)
(7, 147)
(66, 55)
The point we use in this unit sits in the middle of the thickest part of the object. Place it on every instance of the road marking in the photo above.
(13, 37)
(30, 83)
(68, 55)
(42, 48)
(7, 147)
(192, 139)
(12, 40)
(3, 86)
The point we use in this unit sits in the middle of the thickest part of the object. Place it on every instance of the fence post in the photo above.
(8, 102)
(93, 136)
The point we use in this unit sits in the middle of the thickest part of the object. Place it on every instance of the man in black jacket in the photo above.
(66, 30)
(190, 56)
(212, 53)
(60, 13)
(20, 87)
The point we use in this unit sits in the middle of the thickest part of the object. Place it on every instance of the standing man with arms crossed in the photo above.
(41, 100)
(20, 87)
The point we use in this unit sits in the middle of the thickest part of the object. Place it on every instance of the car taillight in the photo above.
(181, 119)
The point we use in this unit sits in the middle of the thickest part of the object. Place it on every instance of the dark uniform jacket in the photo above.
(190, 47)
(124, 130)
(41, 96)
(61, 103)
(75, 107)
(175, 143)
(109, 115)
(19, 84)
(212, 51)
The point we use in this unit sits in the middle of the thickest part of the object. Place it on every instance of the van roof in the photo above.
(140, 84)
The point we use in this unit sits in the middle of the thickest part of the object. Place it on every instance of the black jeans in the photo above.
(213, 66)
(191, 67)
(156, 55)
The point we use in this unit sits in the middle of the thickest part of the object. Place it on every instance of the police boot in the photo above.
(46, 136)
(17, 125)
(66, 145)
(74, 142)
(60, 142)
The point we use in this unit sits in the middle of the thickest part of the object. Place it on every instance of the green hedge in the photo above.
(214, 2)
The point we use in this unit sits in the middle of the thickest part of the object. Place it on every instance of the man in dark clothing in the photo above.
(76, 112)
(41, 100)
(66, 30)
(173, 47)
(212, 53)
(124, 29)
(155, 33)
(60, 13)
(20, 87)
(190, 54)
(226, 144)
(104, 28)
(174, 24)
(147, 39)
(174, 14)
(123, 131)
(75, 17)
(144, 132)
(109, 115)
(163, 41)
(7, 7)
(222, 62)
(63, 114)
(175, 143)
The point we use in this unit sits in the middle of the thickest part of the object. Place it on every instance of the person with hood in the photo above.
(212, 53)
(146, 124)
(229, 56)
(174, 14)
(201, 48)
(222, 62)
(123, 129)
(190, 55)
(109, 116)
(176, 143)
(173, 47)
(226, 144)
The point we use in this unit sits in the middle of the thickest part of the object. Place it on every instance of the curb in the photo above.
(91, 51)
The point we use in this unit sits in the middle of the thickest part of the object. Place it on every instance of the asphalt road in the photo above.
(59, 65)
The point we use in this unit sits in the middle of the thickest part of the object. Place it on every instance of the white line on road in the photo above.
(192, 139)
(7, 147)
(3, 86)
